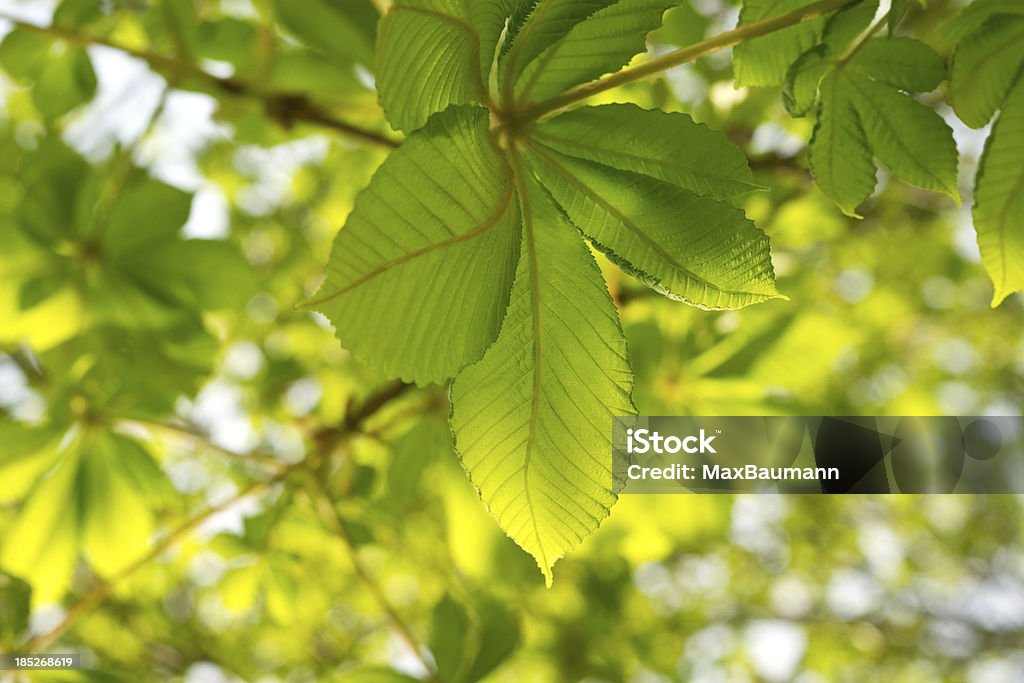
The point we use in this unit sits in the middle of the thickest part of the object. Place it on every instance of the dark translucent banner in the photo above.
(818, 455)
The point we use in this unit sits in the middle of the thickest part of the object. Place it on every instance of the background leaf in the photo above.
(15, 600)
(344, 29)
(61, 73)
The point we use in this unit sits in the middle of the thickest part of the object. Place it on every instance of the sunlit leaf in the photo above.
(442, 263)
(532, 418)
(690, 248)
(999, 199)
(670, 147)
(602, 42)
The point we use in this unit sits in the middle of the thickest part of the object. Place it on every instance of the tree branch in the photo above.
(105, 587)
(99, 593)
(193, 434)
(334, 522)
(683, 55)
(286, 108)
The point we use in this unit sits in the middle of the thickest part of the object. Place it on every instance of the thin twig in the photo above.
(104, 588)
(683, 55)
(333, 520)
(287, 108)
(198, 437)
(121, 172)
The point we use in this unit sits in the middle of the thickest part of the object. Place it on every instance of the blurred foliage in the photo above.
(232, 497)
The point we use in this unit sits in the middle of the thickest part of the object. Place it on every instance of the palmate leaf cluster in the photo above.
(465, 257)
(860, 90)
(860, 95)
(94, 294)
(168, 416)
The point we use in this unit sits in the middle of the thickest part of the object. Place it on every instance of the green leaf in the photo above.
(163, 208)
(846, 25)
(690, 248)
(41, 544)
(72, 13)
(343, 29)
(15, 601)
(61, 74)
(94, 498)
(999, 199)
(765, 60)
(839, 154)
(536, 25)
(420, 275)
(425, 442)
(41, 287)
(667, 146)
(27, 454)
(52, 178)
(976, 14)
(985, 65)
(800, 92)
(469, 647)
(116, 519)
(532, 419)
(861, 115)
(499, 638)
(153, 278)
(432, 54)
(908, 137)
(448, 629)
(903, 63)
(897, 11)
(603, 42)
(375, 674)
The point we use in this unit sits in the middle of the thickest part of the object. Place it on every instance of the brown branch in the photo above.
(285, 107)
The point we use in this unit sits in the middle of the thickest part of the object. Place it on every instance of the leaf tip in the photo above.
(549, 577)
(1000, 295)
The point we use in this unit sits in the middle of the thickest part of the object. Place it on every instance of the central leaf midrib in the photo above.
(531, 255)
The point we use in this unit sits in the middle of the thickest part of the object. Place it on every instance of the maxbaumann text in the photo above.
(643, 441)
